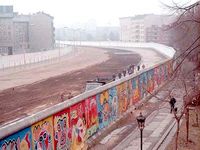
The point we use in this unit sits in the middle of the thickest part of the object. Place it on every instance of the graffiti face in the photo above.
(42, 135)
(44, 141)
(11, 145)
(78, 125)
(91, 115)
(18, 141)
(62, 134)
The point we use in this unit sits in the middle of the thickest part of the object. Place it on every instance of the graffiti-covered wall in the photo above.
(72, 126)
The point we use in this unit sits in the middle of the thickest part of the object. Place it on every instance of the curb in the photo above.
(164, 136)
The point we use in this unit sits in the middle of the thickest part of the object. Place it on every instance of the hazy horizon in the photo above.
(102, 13)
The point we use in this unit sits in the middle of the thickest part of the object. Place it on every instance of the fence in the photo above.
(69, 124)
(29, 58)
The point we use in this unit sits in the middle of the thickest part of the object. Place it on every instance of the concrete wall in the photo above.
(71, 123)
(163, 49)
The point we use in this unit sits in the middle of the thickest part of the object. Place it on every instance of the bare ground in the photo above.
(21, 101)
(194, 134)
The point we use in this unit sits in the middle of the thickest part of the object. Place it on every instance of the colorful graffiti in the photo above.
(150, 80)
(143, 85)
(42, 134)
(78, 125)
(135, 89)
(103, 109)
(91, 115)
(62, 132)
(18, 141)
(123, 101)
(71, 127)
(113, 102)
(157, 80)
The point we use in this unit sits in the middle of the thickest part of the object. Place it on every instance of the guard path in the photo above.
(75, 60)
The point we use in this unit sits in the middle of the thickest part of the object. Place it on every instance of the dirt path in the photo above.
(26, 100)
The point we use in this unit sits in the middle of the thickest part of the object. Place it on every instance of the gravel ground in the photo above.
(24, 100)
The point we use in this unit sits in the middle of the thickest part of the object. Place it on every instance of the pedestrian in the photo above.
(124, 72)
(119, 75)
(138, 67)
(113, 77)
(143, 66)
(172, 103)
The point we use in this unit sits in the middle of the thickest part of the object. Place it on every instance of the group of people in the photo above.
(129, 70)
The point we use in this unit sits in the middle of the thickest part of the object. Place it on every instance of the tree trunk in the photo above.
(197, 118)
(177, 133)
(187, 124)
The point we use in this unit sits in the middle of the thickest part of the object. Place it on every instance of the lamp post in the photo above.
(141, 122)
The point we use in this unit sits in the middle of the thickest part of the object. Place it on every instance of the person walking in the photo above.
(172, 103)
(138, 67)
(143, 66)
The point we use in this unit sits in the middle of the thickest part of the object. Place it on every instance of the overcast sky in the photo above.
(105, 12)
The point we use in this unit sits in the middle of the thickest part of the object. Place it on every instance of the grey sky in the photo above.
(105, 12)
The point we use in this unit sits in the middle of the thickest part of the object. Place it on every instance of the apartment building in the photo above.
(6, 29)
(142, 28)
(25, 33)
(41, 31)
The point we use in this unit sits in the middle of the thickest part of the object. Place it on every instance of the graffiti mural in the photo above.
(42, 134)
(143, 84)
(78, 125)
(157, 80)
(103, 109)
(113, 102)
(91, 115)
(62, 132)
(70, 128)
(162, 73)
(123, 101)
(135, 89)
(18, 141)
(150, 80)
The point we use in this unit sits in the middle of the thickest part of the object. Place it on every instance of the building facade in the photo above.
(6, 28)
(25, 33)
(41, 31)
(143, 28)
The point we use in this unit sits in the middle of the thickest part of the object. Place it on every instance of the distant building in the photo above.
(157, 34)
(6, 28)
(41, 31)
(142, 28)
(21, 33)
(25, 33)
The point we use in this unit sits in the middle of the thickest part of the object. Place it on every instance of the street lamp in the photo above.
(141, 122)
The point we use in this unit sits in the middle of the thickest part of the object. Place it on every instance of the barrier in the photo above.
(30, 58)
(69, 124)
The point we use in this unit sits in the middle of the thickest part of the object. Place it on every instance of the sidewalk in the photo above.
(157, 126)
